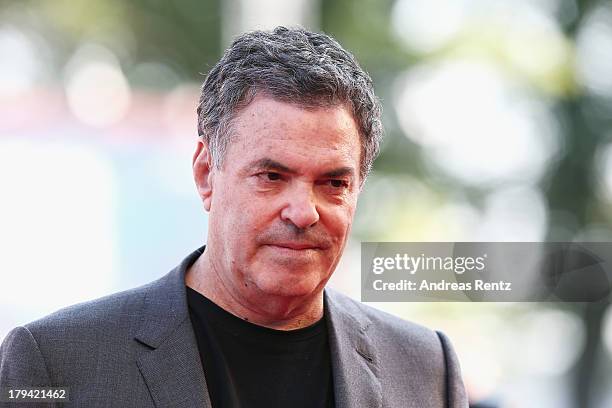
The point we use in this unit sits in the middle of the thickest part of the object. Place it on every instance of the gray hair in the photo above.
(290, 65)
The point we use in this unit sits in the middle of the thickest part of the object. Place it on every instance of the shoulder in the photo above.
(120, 312)
(114, 311)
(95, 311)
(401, 346)
(75, 337)
(413, 362)
(387, 325)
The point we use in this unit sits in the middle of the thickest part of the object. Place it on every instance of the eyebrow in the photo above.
(269, 164)
(340, 172)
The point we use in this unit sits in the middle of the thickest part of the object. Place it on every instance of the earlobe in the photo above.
(203, 172)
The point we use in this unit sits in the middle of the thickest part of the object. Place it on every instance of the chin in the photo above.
(287, 285)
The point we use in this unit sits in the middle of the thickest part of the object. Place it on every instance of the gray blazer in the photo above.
(137, 349)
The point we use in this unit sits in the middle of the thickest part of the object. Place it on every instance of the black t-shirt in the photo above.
(247, 365)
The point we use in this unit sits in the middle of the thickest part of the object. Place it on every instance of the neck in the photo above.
(275, 312)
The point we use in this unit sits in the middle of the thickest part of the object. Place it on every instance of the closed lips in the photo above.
(295, 246)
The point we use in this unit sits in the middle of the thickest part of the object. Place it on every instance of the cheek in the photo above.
(240, 217)
(338, 223)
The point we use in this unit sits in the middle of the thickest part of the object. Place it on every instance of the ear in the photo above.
(203, 173)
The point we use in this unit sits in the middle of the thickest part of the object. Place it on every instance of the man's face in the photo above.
(282, 204)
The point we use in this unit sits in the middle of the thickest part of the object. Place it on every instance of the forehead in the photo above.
(295, 135)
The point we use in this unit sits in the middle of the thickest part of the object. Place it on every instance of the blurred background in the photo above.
(498, 118)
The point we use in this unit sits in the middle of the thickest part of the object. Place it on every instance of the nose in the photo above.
(300, 208)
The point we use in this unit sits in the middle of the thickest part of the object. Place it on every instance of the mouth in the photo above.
(294, 246)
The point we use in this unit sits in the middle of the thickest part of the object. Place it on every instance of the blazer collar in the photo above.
(171, 365)
(355, 364)
(165, 304)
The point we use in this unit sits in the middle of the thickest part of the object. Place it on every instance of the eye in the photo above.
(271, 176)
(337, 183)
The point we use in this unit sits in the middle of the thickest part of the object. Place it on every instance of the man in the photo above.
(289, 128)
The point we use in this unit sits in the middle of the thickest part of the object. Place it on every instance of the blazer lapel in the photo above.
(170, 364)
(354, 359)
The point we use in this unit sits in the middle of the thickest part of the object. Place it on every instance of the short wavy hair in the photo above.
(290, 65)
